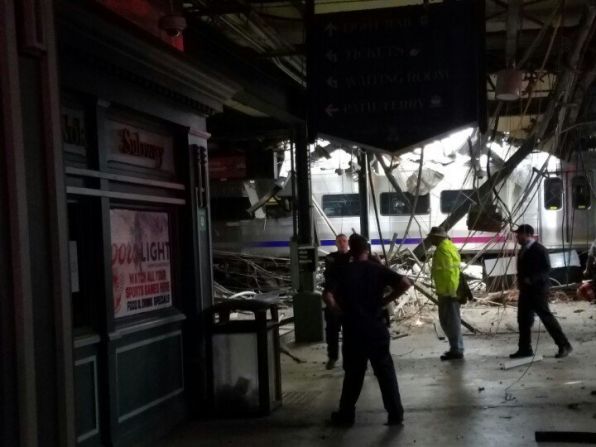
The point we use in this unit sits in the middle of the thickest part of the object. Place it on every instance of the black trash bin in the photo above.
(244, 357)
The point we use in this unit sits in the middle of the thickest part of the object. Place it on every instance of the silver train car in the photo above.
(554, 196)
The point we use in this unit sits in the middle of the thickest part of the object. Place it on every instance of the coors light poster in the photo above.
(140, 261)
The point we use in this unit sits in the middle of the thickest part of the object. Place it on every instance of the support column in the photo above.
(363, 191)
(199, 291)
(305, 234)
(38, 285)
(307, 304)
(18, 393)
(307, 253)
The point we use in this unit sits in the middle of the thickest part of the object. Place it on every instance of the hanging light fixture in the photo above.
(509, 84)
(173, 24)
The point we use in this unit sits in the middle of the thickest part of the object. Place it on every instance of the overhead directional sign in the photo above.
(391, 78)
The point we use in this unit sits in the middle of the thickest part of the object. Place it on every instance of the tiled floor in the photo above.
(468, 403)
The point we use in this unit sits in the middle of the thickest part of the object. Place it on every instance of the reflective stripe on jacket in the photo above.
(445, 269)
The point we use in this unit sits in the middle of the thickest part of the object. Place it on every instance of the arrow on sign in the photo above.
(330, 110)
(331, 56)
(332, 82)
(330, 29)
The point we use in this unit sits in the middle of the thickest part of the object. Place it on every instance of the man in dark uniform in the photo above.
(533, 268)
(333, 263)
(359, 298)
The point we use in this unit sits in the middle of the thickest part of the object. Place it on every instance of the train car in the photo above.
(552, 195)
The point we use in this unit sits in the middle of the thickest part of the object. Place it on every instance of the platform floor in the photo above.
(467, 403)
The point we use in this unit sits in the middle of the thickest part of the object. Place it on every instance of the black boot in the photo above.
(564, 351)
(452, 355)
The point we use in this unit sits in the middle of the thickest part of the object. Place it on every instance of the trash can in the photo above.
(244, 355)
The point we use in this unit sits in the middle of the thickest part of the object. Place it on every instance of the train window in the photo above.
(400, 204)
(581, 193)
(453, 198)
(338, 205)
(278, 207)
(230, 208)
(553, 193)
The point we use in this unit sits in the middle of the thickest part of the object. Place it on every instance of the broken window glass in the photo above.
(453, 198)
(279, 207)
(400, 204)
(340, 205)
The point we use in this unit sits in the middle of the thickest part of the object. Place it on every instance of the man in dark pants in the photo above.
(359, 298)
(333, 263)
(533, 268)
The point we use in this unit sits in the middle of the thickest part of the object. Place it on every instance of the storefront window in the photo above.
(80, 248)
(141, 269)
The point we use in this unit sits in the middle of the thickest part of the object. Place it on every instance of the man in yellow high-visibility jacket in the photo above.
(445, 275)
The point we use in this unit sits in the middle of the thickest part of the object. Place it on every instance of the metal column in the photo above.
(363, 190)
(308, 320)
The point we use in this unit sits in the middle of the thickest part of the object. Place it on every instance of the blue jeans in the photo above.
(450, 318)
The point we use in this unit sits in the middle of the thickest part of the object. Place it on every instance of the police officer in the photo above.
(333, 263)
(358, 298)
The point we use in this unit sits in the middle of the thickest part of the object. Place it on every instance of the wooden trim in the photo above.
(151, 404)
(86, 340)
(145, 326)
(32, 29)
(91, 359)
(123, 178)
(199, 133)
(119, 52)
(145, 342)
(123, 196)
(20, 294)
(57, 227)
(148, 341)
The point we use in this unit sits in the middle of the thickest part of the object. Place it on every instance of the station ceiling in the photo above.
(274, 32)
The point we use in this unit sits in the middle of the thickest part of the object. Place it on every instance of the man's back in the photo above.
(360, 288)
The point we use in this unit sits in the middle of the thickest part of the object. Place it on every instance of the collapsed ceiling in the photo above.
(535, 36)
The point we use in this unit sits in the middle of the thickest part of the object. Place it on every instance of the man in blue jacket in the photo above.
(533, 268)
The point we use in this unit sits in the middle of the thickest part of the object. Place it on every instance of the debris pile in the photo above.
(249, 277)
